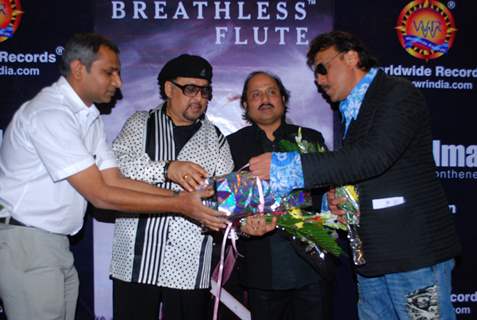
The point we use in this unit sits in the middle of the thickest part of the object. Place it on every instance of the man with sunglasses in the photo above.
(167, 258)
(408, 235)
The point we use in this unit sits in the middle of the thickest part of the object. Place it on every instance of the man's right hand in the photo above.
(334, 203)
(260, 165)
(191, 206)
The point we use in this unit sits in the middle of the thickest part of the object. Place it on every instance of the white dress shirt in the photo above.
(51, 137)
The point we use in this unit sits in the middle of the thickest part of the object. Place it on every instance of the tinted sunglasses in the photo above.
(191, 90)
(320, 68)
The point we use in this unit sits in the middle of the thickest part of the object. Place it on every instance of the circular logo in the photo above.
(426, 29)
(10, 17)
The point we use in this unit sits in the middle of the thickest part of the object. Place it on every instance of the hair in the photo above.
(83, 47)
(284, 93)
(343, 42)
(162, 88)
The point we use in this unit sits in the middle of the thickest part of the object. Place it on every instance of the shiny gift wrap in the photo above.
(351, 208)
(240, 194)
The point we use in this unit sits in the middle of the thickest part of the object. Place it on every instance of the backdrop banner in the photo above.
(430, 42)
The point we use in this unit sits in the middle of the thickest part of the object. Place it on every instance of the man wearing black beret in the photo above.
(166, 258)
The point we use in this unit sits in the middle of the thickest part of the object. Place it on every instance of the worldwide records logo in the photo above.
(426, 29)
(10, 18)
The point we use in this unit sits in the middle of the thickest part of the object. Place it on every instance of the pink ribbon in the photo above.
(261, 198)
(219, 274)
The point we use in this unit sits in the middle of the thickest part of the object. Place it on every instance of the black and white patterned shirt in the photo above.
(166, 250)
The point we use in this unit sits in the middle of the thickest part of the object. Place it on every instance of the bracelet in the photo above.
(166, 170)
(239, 231)
(242, 234)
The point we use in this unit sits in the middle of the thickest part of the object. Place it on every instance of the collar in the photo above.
(74, 102)
(279, 134)
(350, 106)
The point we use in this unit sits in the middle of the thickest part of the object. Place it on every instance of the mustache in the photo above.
(321, 87)
(266, 105)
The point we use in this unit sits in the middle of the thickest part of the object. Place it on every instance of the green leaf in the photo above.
(287, 146)
(311, 231)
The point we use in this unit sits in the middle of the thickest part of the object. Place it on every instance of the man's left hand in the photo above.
(186, 173)
(260, 165)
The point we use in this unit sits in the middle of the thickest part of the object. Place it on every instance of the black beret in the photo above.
(185, 65)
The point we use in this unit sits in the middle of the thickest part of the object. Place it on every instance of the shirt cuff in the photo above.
(286, 173)
(107, 164)
(324, 203)
(157, 171)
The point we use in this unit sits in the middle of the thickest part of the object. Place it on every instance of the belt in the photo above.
(12, 221)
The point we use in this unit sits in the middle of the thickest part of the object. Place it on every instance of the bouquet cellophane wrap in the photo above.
(351, 208)
(240, 194)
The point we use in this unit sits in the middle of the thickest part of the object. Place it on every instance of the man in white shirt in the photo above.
(53, 159)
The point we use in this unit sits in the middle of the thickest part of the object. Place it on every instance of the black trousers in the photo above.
(311, 302)
(132, 301)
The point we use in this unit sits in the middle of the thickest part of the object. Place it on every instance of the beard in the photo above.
(194, 111)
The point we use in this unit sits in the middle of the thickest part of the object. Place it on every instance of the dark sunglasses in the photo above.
(191, 90)
(320, 68)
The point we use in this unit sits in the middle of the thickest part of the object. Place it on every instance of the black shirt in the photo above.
(182, 134)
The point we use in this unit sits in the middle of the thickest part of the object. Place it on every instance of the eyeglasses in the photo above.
(320, 67)
(191, 90)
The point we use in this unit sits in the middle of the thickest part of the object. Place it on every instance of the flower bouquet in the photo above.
(313, 229)
(348, 192)
(240, 194)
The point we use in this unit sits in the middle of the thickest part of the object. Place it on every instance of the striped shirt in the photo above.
(166, 250)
